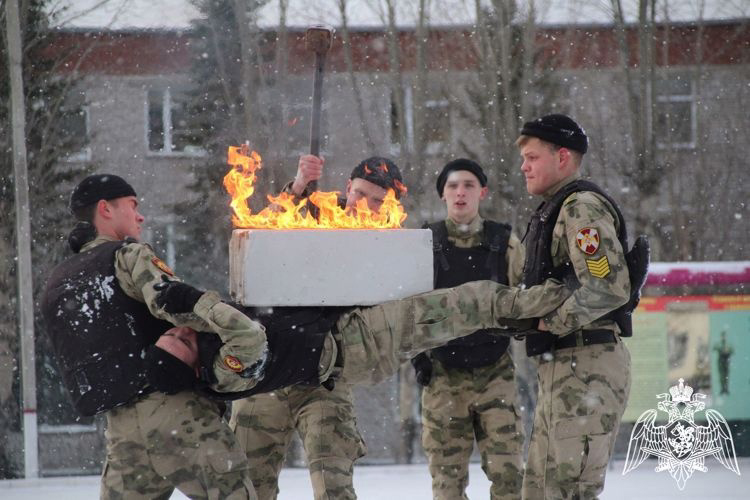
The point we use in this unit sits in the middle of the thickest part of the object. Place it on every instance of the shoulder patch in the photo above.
(588, 240)
(162, 266)
(233, 364)
(599, 268)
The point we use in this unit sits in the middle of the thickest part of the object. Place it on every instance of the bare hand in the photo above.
(542, 327)
(309, 168)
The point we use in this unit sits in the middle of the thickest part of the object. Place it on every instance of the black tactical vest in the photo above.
(289, 361)
(455, 266)
(538, 263)
(98, 333)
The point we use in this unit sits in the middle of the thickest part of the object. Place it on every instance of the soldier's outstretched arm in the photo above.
(375, 340)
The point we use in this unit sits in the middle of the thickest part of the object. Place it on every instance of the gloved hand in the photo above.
(175, 296)
(516, 327)
(423, 369)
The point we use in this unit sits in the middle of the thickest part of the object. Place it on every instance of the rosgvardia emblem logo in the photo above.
(681, 446)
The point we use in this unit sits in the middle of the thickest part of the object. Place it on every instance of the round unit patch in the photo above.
(233, 364)
(162, 266)
(588, 240)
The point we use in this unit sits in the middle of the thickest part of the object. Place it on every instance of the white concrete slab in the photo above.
(336, 267)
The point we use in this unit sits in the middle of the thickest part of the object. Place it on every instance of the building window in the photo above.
(436, 127)
(160, 234)
(674, 111)
(169, 130)
(399, 125)
(74, 127)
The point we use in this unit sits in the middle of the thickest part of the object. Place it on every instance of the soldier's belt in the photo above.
(585, 337)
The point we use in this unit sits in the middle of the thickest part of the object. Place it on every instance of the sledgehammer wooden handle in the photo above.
(317, 39)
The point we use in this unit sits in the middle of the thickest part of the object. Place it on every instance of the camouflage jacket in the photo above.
(586, 235)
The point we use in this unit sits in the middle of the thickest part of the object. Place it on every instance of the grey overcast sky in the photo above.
(176, 14)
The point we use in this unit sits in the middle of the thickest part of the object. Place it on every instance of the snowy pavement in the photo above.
(412, 482)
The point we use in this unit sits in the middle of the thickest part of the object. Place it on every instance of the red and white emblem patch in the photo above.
(588, 240)
(233, 364)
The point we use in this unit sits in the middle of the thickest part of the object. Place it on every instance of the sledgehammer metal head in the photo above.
(318, 38)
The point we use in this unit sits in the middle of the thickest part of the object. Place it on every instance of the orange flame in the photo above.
(286, 213)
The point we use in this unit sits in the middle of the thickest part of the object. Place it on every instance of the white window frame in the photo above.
(690, 98)
(166, 117)
(169, 238)
(408, 120)
(83, 154)
(432, 147)
(436, 147)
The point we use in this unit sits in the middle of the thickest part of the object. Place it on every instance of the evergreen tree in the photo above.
(227, 73)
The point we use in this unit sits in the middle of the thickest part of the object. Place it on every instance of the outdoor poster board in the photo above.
(702, 339)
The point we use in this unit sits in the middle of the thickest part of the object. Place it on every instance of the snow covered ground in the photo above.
(412, 482)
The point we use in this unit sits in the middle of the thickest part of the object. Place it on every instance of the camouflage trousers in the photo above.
(326, 423)
(374, 341)
(582, 396)
(163, 442)
(461, 405)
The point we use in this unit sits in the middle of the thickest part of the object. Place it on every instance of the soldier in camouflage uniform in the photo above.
(103, 319)
(576, 235)
(469, 387)
(324, 418)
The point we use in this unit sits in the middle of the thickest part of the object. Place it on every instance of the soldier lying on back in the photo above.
(318, 345)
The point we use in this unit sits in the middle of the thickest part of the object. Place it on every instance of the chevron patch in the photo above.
(599, 268)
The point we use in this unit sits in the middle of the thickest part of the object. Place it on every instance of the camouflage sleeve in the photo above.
(586, 234)
(137, 270)
(515, 256)
(242, 357)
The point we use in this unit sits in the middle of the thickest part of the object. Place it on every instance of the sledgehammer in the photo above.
(317, 39)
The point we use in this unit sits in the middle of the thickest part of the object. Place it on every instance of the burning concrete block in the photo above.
(328, 267)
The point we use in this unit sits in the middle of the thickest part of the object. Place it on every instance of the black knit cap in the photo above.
(99, 187)
(167, 373)
(380, 171)
(460, 164)
(558, 129)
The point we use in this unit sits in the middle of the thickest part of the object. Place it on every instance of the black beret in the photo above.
(380, 171)
(558, 129)
(167, 373)
(99, 187)
(460, 164)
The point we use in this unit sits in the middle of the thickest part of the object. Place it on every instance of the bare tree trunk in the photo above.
(419, 97)
(246, 61)
(527, 64)
(645, 175)
(504, 76)
(397, 82)
(363, 120)
(487, 75)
